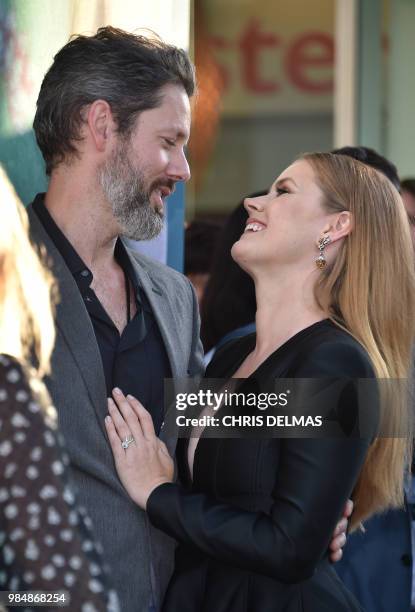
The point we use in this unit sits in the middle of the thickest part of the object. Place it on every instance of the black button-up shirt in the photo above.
(135, 361)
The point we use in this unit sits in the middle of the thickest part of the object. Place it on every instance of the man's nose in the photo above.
(178, 168)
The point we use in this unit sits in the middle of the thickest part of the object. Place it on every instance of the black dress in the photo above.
(46, 539)
(255, 524)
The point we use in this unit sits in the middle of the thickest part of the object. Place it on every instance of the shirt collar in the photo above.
(81, 273)
(73, 261)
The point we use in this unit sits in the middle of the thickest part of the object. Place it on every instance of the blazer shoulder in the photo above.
(38, 235)
(334, 354)
(158, 271)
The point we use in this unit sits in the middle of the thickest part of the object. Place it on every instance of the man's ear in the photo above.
(101, 123)
(340, 225)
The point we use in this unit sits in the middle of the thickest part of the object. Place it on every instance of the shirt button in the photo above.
(85, 273)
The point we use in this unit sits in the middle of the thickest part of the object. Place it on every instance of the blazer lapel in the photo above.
(73, 322)
(166, 320)
(163, 314)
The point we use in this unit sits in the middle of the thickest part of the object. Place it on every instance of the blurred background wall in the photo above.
(293, 76)
(273, 67)
(275, 79)
(31, 32)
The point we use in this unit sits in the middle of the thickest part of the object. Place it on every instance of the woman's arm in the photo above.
(314, 479)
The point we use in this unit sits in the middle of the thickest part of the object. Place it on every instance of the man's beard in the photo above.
(125, 189)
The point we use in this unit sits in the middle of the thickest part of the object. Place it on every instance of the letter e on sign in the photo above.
(309, 62)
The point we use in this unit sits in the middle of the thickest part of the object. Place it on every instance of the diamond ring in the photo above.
(127, 441)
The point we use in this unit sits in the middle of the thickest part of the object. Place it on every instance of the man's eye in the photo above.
(170, 142)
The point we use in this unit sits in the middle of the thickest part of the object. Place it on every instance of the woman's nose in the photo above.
(254, 204)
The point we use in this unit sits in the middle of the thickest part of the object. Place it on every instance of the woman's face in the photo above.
(284, 226)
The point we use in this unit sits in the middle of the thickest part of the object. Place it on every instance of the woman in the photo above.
(46, 540)
(329, 251)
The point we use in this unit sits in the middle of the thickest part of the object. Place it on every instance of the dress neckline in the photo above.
(246, 344)
(250, 344)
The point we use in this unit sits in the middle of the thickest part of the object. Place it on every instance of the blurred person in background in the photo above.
(228, 305)
(375, 160)
(377, 562)
(408, 197)
(46, 538)
(199, 246)
(254, 516)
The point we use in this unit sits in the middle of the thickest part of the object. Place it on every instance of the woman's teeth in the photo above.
(254, 227)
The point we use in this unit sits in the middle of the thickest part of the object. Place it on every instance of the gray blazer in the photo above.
(140, 558)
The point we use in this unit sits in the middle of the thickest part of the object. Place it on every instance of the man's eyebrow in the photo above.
(178, 132)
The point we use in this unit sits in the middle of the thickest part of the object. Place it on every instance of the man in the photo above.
(377, 563)
(112, 121)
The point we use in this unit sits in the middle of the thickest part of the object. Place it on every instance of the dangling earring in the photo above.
(321, 260)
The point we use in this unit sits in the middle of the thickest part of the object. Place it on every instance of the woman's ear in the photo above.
(341, 224)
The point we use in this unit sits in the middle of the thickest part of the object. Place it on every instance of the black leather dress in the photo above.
(255, 524)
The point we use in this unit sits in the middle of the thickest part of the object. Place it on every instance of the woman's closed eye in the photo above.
(280, 191)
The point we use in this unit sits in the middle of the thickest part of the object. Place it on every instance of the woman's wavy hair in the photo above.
(369, 290)
(26, 321)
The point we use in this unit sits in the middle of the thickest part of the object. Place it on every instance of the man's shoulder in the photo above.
(36, 230)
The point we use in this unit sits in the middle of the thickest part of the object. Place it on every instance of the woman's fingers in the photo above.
(338, 542)
(114, 439)
(124, 430)
(336, 556)
(348, 509)
(126, 414)
(144, 417)
(147, 463)
(341, 527)
(120, 425)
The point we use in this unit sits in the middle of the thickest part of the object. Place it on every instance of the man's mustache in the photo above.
(170, 184)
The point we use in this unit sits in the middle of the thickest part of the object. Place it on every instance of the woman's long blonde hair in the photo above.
(370, 291)
(26, 320)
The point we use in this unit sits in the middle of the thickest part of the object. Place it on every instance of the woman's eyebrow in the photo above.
(284, 180)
